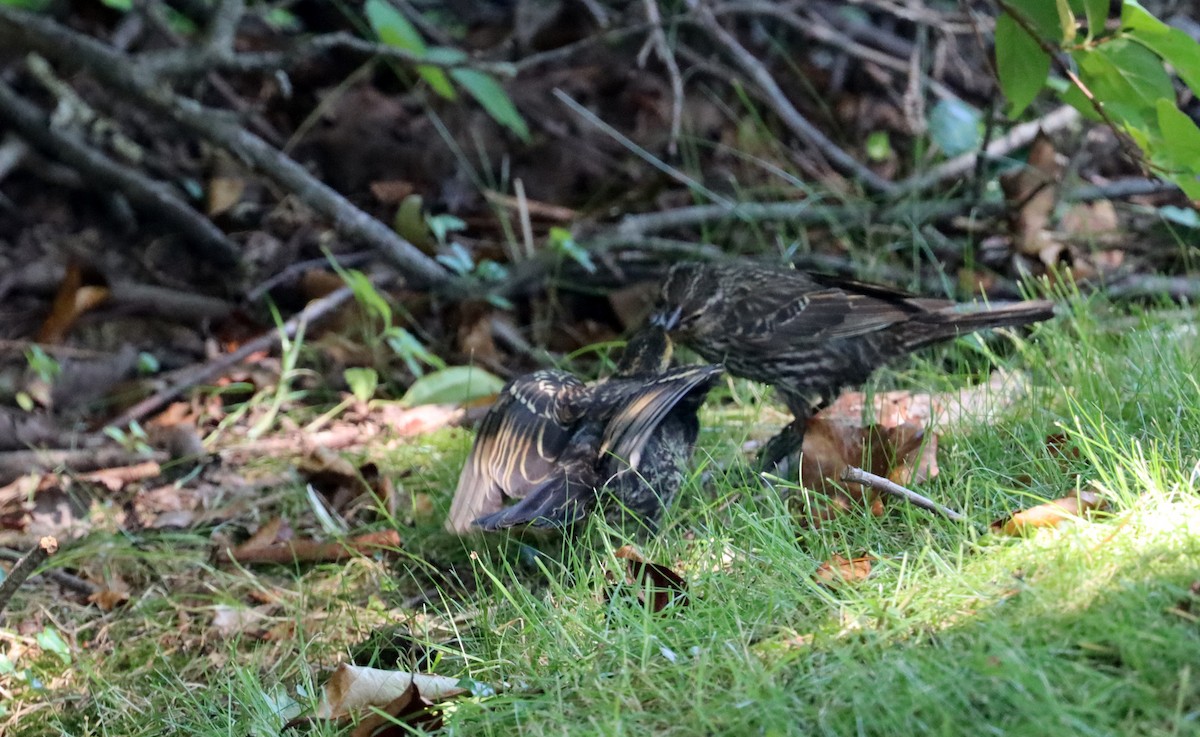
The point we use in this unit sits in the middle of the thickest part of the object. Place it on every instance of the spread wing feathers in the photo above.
(634, 422)
(563, 497)
(518, 445)
(557, 502)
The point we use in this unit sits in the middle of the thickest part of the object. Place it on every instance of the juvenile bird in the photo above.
(560, 447)
(808, 335)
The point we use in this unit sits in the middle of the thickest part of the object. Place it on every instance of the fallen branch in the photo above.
(791, 117)
(22, 30)
(105, 175)
(858, 476)
(311, 551)
(16, 463)
(46, 547)
(1017, 137)
(192, 376)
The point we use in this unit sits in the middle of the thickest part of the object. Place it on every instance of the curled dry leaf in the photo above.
(273, 544)
(353, 688)
(839, 569)
(1033, 191)
(665, 587)
(1050, 514)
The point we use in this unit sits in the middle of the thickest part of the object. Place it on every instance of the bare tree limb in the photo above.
(24, 567)
(185, 379)
(19, 29)
(791, 117)
(104, 174)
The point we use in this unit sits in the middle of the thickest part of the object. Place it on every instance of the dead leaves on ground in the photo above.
(388, 703)
(645, 583)
(899, 445)
(839, 570)
(274, 543)
(1051, 514)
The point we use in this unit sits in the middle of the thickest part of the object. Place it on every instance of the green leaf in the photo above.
(1128, 79)
(393, 29)
(1185, 216)
(1043, 16)
(879, 146)
(493, 98)
(452, 385)
(1020, 63)
(1172, 44)
(1179, 149)
(1066, 21)
(362, 382)
(50, 641)
(954, 127)
(1097, 15)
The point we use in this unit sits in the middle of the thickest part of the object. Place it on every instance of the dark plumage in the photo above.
(560, 446)
(810, 336)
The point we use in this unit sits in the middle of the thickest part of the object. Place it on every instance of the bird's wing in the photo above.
(626, 433)
(835, 308)
(517, 447)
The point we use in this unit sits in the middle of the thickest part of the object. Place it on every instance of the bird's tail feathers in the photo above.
(559, 501)
(949, 323)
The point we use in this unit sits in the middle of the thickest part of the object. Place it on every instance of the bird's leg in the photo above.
(784, 446)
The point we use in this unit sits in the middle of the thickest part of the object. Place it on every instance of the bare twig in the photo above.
(16, 463)
(799, 212)
(192, 376)
(62, 578)
(105, 174)
(19, 29)
(1015, 138)
(658, 39)
(46, 547)
(640, 152)
(1155, 285)
(858, 476)
(182, 62)
(791, 117)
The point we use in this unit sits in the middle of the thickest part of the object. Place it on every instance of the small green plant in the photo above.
(42, 364)
(393, 29)
(1117, 74)
(135, 440)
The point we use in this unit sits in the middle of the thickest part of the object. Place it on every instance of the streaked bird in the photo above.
(810, 336)
(558, 447)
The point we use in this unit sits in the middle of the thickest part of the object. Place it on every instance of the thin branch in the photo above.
(659, 41)
(24, 567)
(858, 476)
(791, 117)
(62, 578)
(187, 378)
(640, 152)
(182, 62)
(1017, 137)
(106, 175)
(19, 29)
(1127, 145)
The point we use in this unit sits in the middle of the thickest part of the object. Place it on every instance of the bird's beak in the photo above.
(666, 320)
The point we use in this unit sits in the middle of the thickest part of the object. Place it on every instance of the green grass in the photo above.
(1085, 629)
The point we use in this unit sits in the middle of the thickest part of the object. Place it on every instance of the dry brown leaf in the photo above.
(1089, 218)
(354, 688)
(229, 621)
(1050, 514)
(665, 587)
(839, 570)
(427, 418)
(113, 594)
(1033, 190)
(223, 193)
(262, 549)
(80, 290)
(391, 191)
